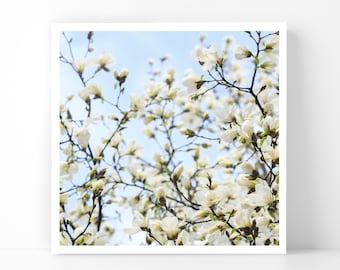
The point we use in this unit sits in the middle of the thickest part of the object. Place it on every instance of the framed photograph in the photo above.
(169, 138)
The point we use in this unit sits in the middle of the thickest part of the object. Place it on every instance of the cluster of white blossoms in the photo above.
(209, 174)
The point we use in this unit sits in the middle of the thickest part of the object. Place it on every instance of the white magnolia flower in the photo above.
(271, 124)
(272, 43)
(261, 197)
(135, 169)
(224, 161)
(247, 129)
(137, 102)
(177, 172)
(268, 66)
(83, 137)
(121, 76)
(242, 52)
(270, 153)
(64, 239)
(98, 185)
(171, 92)
(63, 198)
(159, 158)
(104, 59)
(207, 57)
(92, 89)
(80, 64)
(153, 89)
(190, 120)
(116, 140)
(218, 238)
(247, 167)
(186, 182)
(184, 238)
(268, 100)
(148, 131)
(68, 150)
(243, 180)
(139, 220)
(191, 81)
(95, 89)
(132, 149)
(101, 238)
(67, 170)
(84, 94)
(242, 218)
(208, 198)
(160, 193)
(229, 135)
(170, 226)
(271, 47)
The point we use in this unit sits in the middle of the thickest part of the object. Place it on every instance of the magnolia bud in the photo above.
(98, 185)
(177, 172)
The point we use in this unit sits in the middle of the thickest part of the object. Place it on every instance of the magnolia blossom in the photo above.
(270, 153)
(271, 47)
(170, 226)
(242, 218)
(190, 121)
(91, 89)
(137, 102)
(132, 149)
(136, 170)
(208, 198)
(63, 198)
(139, 220)
(192, 81)
(83, 137)
(67, 170)
(207, 57)
(269, 100)
(160, 193)
(247, 129)
(229, 135)
(271, 124)
(116, 140)
(98, 185)
(104, 59)
(224, 161)
(184, 238)
(177, 172)
(148, 131)
(80, 64)
(268, 66)
(153, 89)
(171, 92)
(243, 180)
(261, 197)
(242, 52)
(121, 76)
(247, 167)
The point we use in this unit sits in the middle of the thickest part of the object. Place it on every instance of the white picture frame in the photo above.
(202, 27)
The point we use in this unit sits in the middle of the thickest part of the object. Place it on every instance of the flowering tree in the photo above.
(209, 174)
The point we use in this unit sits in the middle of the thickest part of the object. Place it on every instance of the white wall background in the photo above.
(313, 105)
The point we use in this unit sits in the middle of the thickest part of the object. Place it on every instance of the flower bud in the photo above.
(177, 172)
(98, 185)
(161, 195)
(242, 52)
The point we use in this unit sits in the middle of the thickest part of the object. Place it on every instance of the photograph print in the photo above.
(170, 138)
